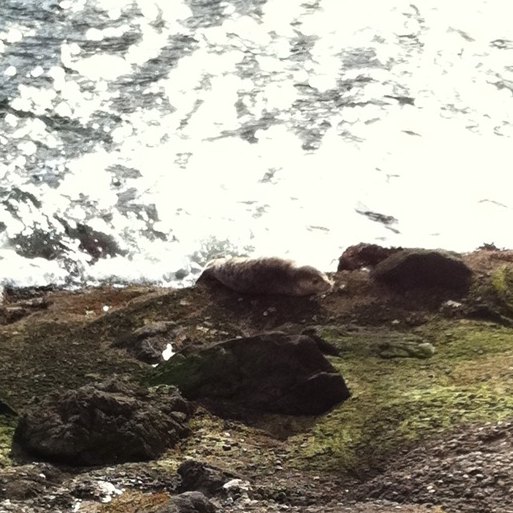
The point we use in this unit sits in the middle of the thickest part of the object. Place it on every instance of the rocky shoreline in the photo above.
(389, 393)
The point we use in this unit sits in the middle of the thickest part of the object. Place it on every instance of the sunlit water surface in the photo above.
(140, 138)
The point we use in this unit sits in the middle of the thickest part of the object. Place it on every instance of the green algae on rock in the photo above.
(399, 402)
(7, 426)
(502, 280)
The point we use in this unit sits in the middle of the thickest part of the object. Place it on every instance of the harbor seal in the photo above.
(268, 276)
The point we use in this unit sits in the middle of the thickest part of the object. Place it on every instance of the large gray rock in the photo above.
(269, 373)
(420, 268)
(104, 423)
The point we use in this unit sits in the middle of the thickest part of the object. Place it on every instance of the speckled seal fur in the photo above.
(268, 276)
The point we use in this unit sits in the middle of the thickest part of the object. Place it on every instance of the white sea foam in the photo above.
(25, 272)
(441, 166)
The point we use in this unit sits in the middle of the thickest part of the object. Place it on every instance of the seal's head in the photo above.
(309, 280)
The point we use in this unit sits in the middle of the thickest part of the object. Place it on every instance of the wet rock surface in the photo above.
(273, 372)
(109, 422)
(470, 471)
(418, 268)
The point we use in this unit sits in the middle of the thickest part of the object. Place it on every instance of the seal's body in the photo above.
(268, 276)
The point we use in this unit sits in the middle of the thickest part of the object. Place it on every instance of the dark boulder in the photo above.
(104, 423)
(188, 502)
(364, 255)
(419, 268)
(201, 477)
(273, 372)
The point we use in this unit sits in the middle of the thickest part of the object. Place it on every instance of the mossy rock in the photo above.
(502, 281)
(7, 426)
(8, 420)
(372, 342)
(398, 402)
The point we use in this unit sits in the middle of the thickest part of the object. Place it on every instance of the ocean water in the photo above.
(140, 138)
